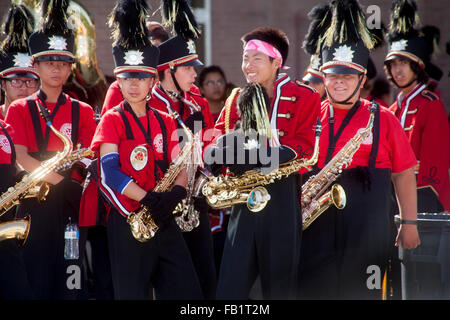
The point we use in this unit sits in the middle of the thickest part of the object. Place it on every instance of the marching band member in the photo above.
(340, 248)
(136, 145)
(51, 47)
(176, 71)
(420, 111)
(266, 243)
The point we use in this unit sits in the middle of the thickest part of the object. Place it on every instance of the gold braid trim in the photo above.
(228, 105)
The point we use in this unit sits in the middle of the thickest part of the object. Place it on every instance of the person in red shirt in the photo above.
(421, 114)
(176, 73)
(17, 75)
(293, 110)
(136, 144)
(51, 48)
(340, 247)
(113, 96)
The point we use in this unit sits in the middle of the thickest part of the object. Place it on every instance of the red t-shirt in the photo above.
(111, 129)
(394, 151)
(19, 118)
(5, 146)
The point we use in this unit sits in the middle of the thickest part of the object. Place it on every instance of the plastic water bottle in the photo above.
(71, 236)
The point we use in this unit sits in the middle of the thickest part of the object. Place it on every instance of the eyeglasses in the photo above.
(18, 83)
(211, 83)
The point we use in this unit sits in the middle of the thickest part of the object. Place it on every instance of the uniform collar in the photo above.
(414, 92)
(43, 97)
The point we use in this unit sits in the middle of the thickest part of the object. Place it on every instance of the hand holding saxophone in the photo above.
(162, 204)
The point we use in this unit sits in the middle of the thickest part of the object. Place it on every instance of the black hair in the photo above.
(275, 37)
(210, 69)
(161, 73)
(420, 73)
(380, 87)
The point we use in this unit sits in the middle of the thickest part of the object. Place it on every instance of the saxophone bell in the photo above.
(336, 196)
(257, 199)
(16, 229)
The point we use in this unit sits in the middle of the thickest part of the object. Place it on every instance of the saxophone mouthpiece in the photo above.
(373, 107)
(318, 127)
(174, 94)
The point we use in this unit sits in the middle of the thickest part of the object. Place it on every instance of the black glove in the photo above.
(200, 204)
(162, 204)
(71, 191)
(197, 116)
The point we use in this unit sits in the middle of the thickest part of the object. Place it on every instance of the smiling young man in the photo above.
(51, 47)
(267, 243)
(420, 111)
(340, 246)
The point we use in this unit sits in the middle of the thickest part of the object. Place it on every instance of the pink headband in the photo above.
(265, 48)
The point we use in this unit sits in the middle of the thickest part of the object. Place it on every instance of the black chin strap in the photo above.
(346, 101)
(172, 73)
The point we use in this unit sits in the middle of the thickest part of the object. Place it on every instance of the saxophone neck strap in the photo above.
(332, 138)
(375, 137)
(35, 105)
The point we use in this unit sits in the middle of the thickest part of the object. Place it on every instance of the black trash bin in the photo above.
(425, 271)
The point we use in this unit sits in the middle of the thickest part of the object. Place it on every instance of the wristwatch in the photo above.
(414, 222)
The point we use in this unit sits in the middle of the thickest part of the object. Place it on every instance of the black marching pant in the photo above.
(13, 274)
(265, 243)
(163, 262)
(49, 274)
(344, 253)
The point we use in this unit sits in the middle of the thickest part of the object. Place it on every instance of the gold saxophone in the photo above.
(315, 197)
(186, 217)
(142, 225)
(225, 191)
(16, 229)
(31, 186)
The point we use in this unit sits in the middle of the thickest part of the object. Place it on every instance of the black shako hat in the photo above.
(320, 16)
(404, 40)
(346, 52)
(134, 55)
(179, 50)
(53, 40)
(15, 61)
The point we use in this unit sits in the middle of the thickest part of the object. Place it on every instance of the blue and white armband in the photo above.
(111, 174)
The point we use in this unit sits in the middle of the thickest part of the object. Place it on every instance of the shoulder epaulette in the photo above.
(429, 95)
(300, 84)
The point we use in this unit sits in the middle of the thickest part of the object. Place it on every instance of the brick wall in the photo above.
(233, 18)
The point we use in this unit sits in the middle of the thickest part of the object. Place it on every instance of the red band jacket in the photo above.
(424, 122)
